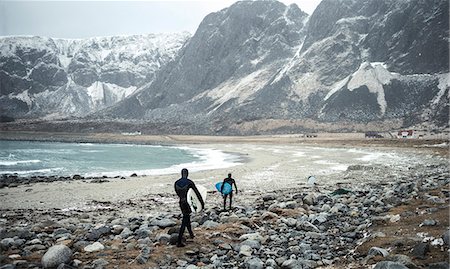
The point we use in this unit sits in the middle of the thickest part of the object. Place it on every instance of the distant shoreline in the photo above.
(327, 139)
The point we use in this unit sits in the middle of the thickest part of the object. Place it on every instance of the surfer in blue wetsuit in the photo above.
(182, 186)
(230, 181)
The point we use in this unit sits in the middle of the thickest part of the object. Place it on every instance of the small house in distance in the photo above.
(372, 134)
(405, 134)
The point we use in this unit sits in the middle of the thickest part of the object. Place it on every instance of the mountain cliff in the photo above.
(54, 78)
(263, 63)
(264, 67)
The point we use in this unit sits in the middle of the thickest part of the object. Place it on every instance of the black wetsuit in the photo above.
(182, 186)
(230, 181)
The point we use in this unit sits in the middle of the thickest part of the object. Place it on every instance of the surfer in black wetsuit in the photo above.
(182, 186)
(230, 181)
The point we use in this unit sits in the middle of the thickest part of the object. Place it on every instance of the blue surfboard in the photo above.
(226, 188)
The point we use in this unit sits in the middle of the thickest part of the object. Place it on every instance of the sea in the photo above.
(30, 158)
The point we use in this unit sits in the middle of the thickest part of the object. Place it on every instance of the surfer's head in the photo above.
(184, 173)
(229, 175)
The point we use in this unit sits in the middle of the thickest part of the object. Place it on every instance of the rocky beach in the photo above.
(368, 214)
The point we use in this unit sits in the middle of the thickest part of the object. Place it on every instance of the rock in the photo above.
(163, 223)
(307, 226)
(271, 263)
(173, 239)
(291, 264)
(309, 199)
(143, 257)
(8, 266)
(251, 236)
(291, 205)
(246, 250)
(318, 218)
(269, 215)
(76, 177)
(56, 255)
(389, 265)
(142, 233)
(126, 232)
(117, 229)
(394, 218)
(376, 251)
(403, 259)
(439, 265)
(428, 222)
(95, 234)
(79, 246)
(163, 238)
(254, 263)
(6, 243)
(251, 243)
(94, 247)
(268, 197)
(209, 224)
(446, 237)
(421, 250)
(99, 263)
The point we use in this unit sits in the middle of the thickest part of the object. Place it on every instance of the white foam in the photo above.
(37, 171)
(12, 163)
(209, 159)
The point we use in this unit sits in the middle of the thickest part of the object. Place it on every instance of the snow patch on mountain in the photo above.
(240, 89)
(23, 96)
(336, 87)
(373, 76)
(444, 84)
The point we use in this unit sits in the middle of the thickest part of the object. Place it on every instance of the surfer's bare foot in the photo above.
(192, 236)
(180, 245)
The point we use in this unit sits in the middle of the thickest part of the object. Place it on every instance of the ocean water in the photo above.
(26, 158)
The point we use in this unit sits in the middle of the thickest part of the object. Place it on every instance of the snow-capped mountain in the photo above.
(57, 78)
(264, 67)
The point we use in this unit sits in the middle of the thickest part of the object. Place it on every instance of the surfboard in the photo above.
(194, 201)
(226, 188)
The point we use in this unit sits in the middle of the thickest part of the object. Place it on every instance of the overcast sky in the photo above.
(80, 19)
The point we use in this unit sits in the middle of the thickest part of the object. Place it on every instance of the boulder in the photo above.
(56, 255)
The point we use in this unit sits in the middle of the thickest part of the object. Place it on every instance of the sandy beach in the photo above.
(272, 165)
(265, 164)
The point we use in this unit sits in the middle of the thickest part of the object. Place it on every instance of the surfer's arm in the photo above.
(198, 194)
(235, 186)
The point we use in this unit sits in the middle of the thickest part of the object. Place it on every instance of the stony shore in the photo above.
(372, 219)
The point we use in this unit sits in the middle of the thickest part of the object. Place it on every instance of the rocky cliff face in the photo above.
(263, 67)
(350, 61)
(47, 77)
